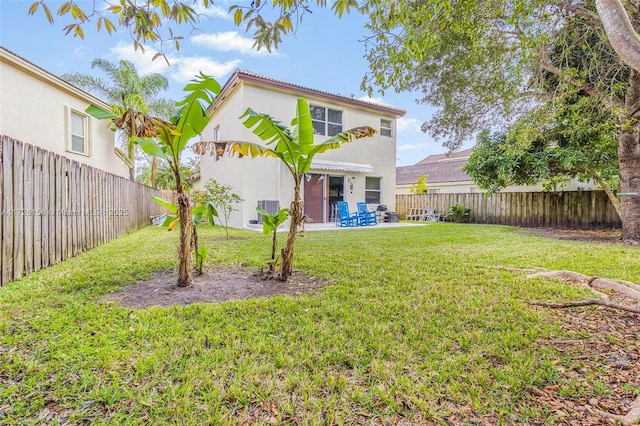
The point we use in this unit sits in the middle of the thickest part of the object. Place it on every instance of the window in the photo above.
(372, 190)
(385, 127)
(326, 121)
(433, 191)
(78, 132)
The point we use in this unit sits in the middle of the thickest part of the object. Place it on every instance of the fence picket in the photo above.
(7, 210)
(18, 213)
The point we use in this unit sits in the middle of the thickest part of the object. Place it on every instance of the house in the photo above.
(40, 109)
(445, 175)
(363, 170)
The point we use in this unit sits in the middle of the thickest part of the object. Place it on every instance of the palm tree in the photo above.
(164, 177)
(127, 91)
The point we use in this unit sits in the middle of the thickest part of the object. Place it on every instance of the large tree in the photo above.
(570, 134)
(125, 90)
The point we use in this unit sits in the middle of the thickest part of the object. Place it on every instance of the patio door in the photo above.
(315, 196)
(321, 195)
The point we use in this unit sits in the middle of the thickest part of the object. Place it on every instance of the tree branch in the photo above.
(546, 64)
(581, 11)
(620, 32)
(612, 197)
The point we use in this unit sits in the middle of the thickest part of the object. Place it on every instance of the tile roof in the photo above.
(438, 171)
(250, 76)
(450, 156)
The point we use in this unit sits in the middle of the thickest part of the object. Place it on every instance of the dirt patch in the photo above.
(588, 235)
(216, 285)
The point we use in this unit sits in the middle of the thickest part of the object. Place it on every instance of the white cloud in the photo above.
(415, 146)
(406, 124)
(372, 100)
(180, 68)
(143, 61)
(189, 67)
(213, 11)
(79, 52)
(229, 41)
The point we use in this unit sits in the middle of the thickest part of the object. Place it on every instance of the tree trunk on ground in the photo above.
(286, 265)
(185, 272)
(629, 159)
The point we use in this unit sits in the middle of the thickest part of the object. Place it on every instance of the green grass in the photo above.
(417, 324)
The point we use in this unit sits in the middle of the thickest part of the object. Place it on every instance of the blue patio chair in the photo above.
(365, 217)
(344, 217)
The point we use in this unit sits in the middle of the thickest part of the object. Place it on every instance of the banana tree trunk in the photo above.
(154, 171)
(274, 247)
(286, 265)
(185, 270)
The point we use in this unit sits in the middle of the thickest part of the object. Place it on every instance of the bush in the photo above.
(459, 214)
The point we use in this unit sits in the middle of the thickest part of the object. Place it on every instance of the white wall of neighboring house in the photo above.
(467, 187)
(267, 178)
(37, 108)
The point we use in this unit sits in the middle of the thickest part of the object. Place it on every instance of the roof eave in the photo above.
(240, 75)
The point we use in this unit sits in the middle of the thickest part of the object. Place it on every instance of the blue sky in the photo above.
(324, 54)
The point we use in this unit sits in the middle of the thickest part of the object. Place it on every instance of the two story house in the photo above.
(363, 170)
(40, 109)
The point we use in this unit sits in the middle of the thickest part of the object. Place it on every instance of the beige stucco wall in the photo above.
(34, 109)
(268, 179)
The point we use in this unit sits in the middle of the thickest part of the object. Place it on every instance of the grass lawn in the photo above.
(415, 325)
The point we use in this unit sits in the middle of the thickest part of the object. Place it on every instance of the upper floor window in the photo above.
(77, 132)
(326, 121)
(385, 127)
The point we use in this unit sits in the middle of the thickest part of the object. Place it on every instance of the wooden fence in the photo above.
(54, 208)
(570, 210)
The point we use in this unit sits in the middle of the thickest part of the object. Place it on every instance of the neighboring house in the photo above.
(445, 175)
(363, 170)
(40, 109)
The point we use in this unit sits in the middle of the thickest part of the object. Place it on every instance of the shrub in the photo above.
(459, 214)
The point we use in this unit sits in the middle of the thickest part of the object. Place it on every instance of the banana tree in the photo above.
(270, 223)
(295, 148)
(168, 141)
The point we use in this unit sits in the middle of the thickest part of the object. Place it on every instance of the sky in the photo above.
(326, 53)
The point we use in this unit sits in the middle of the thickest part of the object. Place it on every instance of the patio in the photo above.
(332, 226)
